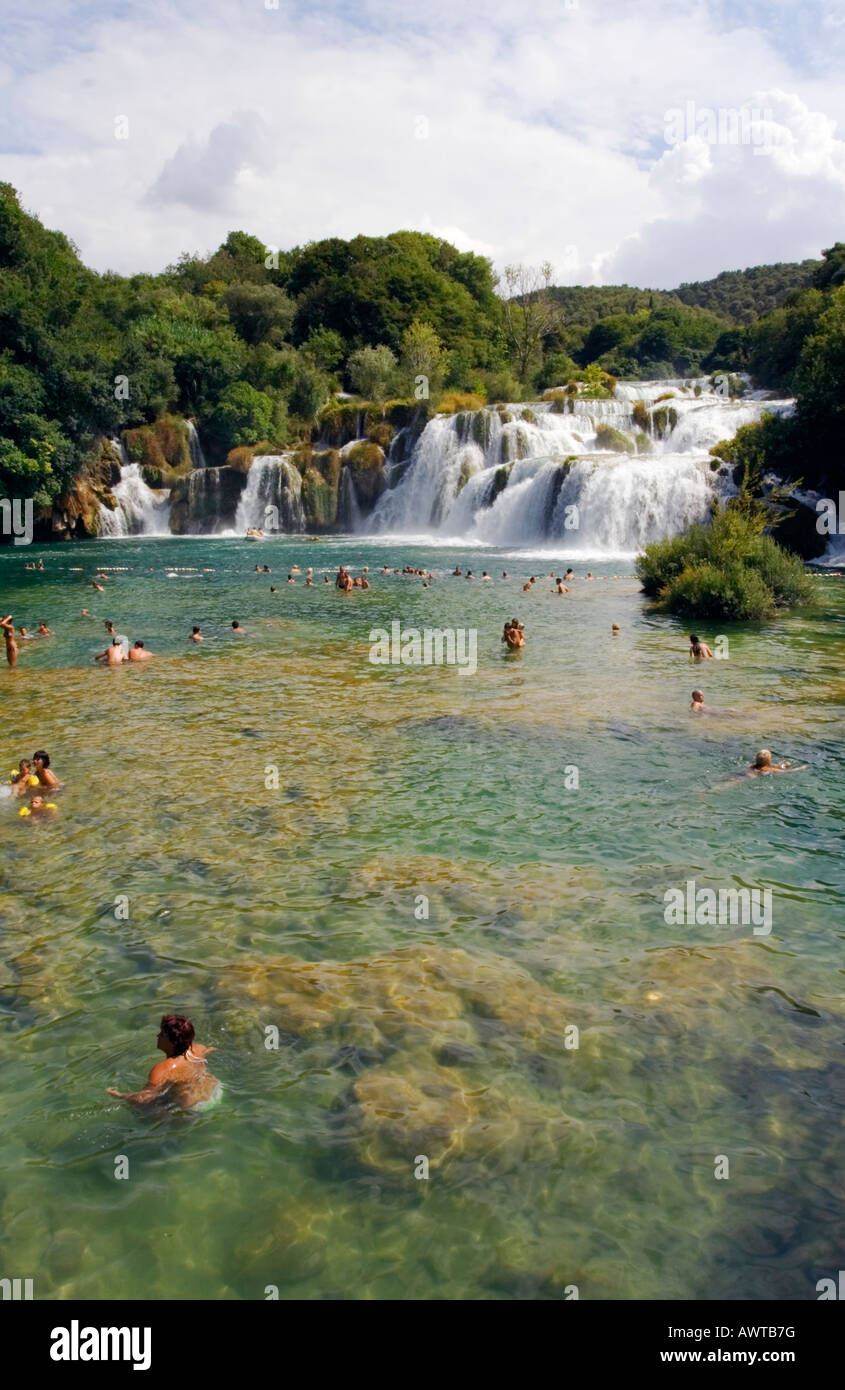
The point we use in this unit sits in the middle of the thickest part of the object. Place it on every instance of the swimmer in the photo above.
(615, 629)
(570, 574)
(504, 574)
(183, 1076)
(39, 808)
(589, 574)
(113, 655)
(326, 578)
(273, 589)
(485, 576)
(294, 569)
(309, 582)
(22, 777)
(266, 569)
(457, 571)
(196, 635)
(698, 650)
(291, 579)
(43, 630)
(513, 635)
(24, 635)
(236, 627)
(257, 569)
(763, 764)
(11, 644)
(526, 588)
(560, 587)
(98, 587)
(697, 701)
(139, 653)
(41, 763)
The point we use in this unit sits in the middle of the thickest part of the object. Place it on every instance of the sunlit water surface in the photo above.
(302, 908)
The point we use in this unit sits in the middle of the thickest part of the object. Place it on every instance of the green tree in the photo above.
(242, 415)
(370, 371)
(326, 348)
(421, 356)
(259, 312)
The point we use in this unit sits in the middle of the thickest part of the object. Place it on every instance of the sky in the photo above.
(646, 142)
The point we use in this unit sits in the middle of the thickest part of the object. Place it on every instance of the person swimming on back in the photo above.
(698, 650)
(139, 653)
(183, 1077)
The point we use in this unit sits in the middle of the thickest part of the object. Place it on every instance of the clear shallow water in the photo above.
(295, 908)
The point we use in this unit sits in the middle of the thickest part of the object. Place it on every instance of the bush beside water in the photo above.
(729, 569)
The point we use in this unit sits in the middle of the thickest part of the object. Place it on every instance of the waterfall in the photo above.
(272, 498)
(600, 476)
(206, 512)
(141, 510)
(197, 455)
(348, 508)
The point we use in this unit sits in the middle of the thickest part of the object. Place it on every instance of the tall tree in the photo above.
(530, 312)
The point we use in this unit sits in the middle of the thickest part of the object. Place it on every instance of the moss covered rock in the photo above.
(366, 465)
(164, 445)
(641, 417)
(76, 514)
(319, 500)
(663, 421)
(609, 438)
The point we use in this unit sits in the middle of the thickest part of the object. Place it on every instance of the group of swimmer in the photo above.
(12, 638)
(119, 649)
(31, 774)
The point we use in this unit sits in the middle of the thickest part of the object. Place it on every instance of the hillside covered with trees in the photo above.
(253, 345)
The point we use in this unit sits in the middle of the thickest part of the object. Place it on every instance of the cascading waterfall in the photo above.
(348, 508)
(141, 510)
(272, 498)
(599, 476)
(197, 455)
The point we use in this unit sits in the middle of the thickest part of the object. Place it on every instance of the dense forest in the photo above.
(253, 345)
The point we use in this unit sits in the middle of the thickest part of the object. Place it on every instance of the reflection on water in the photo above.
(423, 938)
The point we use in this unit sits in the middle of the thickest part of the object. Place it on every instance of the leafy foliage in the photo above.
(728, 570)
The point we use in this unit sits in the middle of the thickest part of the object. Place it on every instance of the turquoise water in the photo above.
(300, 907)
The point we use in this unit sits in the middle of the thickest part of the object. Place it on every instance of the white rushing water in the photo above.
(141, 510)
(592, 477)
(197, 455)
(272, 498)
